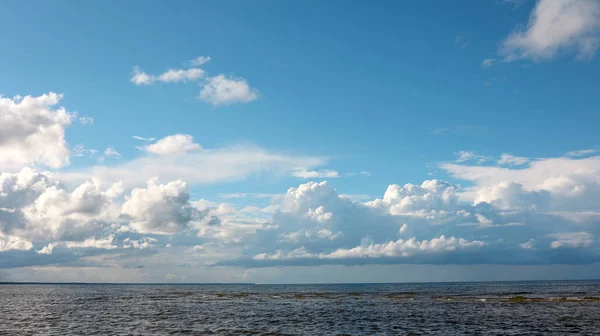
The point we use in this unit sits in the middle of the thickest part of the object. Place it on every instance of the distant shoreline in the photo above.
(275, 284)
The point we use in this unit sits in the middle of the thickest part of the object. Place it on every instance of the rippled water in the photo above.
(503, 308)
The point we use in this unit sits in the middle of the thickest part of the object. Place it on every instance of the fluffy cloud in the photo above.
(173, 144)
(399, 248)
(221, 90)
(432, 194)
(57, 213)
(32, 130)
(160, 208)
(139, 77)
(555, 27)
(571, 184)
(8, 243)
(34, 206)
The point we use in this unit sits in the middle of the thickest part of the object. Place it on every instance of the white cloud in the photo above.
(180, 75)
(528, 245)
(562, 183)
(142, 243)
(308, 174)
(200, 60)
(464, 156)
(398, 248)
(140, 77)
(142, 138)
(507, 159)
(111, 152)
(8, 243)
(555, 27)
(32, 130)
(405, 248)
(48, 249)
(572, 240)
(80, 150)
(409, 198)
(197, 167)
(221, 90)
(173, 144)
(198, 248)
(160, 208)
(86, 120)
(106, 243)
(487, 63)
(582, 152)
(403, 228)
(59, 214)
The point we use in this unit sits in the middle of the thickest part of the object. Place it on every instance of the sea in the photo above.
(477, 308)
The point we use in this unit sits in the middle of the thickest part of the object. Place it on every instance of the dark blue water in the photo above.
(503, 308)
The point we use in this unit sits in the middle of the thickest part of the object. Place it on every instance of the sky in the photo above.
(299, 142)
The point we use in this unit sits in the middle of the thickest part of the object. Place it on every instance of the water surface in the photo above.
(501, 308)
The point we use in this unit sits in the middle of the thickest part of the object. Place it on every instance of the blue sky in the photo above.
(287, 95)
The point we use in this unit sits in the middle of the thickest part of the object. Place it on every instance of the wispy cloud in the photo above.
(142, 138)
(582, 152)
(459, 130)
(487, 63)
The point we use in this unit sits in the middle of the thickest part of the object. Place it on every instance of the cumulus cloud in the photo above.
(57, 213)
(173, 144)
(563, 183)
(556, 27)
(142, 243)
(106, 243)
(139, 77)
(8, 243)
(32, 129)
(222, 90)
(407, 199)
(160, 208)
(36, 207)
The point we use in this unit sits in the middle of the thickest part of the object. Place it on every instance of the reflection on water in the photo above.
(503, 308)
